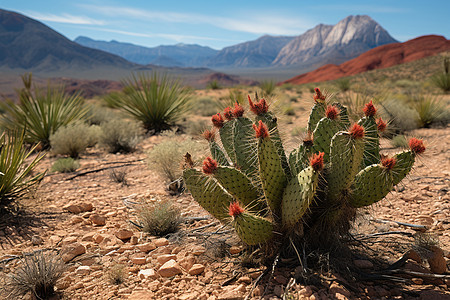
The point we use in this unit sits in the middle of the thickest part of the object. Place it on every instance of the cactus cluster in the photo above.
(269, 196)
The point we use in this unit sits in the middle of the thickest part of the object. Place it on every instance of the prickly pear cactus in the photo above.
(250, 183)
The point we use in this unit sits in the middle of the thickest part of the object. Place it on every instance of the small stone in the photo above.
(281, 279)
(418, 281)
(161, 242)
(198, 250)
(437, 261)
(245, 279)
(336, 288)
(134, 240)
(363, 263)
(36, 240)
(83, 270)
(98, 238)
(147, 247)
(141, 294)
(147, 273)
(88, 237)
(170, 268)
(133, 269)
(78, 285)
(306, 291)
(97, 220)
(235, 250)
(196, 269)
(76, 219)
(187, 262)
(72, 208)
(123, 234)
(70, 251)
(139, 260)
(162, 259)
(278, 290)
(86, 206)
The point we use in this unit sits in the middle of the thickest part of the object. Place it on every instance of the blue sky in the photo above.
(218, 24)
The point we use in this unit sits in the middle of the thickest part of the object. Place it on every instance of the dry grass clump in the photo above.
(74, 138)
(120, 135)
(65, 165)
(116, 274)
(37, 275)
(160, 218)
(119, 176)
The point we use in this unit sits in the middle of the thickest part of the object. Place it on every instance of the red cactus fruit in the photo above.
(416, 146)
(235, 209)
(369, 109)
(209, 135)
(381, 125)
(217, 120)
(228, 113)
(388, 162)
(261, 130)
(318, 97)
(238, 110)
(332, 112)
(258, 108)
(357, 131)
(209, 165)
(316, 161)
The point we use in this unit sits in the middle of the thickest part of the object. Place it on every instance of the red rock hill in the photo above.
(378, 58)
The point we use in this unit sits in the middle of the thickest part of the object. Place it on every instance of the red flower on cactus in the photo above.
(209, 135)
(388, 162)
(316, 161)
(261, 130)
(228, 113)
(318, 97)
(416, 146)
(357, 131)
(381, 125)
(235, 209)
(258, 108)
(217, 120)
(209, 165)
(332, 112)
(369, 109)
(238, 110)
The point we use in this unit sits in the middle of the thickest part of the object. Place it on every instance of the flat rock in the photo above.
(83, 270)
(196, 269)
(139, 260)
(97, 220)
(147, 247)
(123, 234)
(147, 273)
(162, 259)
(170, 268)
(141, 294)
(161, 242)
(70, 251)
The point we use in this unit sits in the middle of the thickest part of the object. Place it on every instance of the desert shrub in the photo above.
(98, 114)
(120, 135)
(267, 87)
(157, 101)
(196, 127)
(430, 110)
(399, 141)
(119, 176)
(343, 84)
(160, 218)
(402, 117)
(214, 85)
(41, 112)
(442, 80)
(36, 275)
(74, 138)
(298, 130)
(289, 111)
(15, 168)
(65, 165)
(235, 95)
(407, 84)
(166, 158)
(205, 106)
(354, 101)
(116, 274)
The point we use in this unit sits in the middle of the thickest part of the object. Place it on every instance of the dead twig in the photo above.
(368, 236)
(401, 223)
(79, 174)
(420, 274)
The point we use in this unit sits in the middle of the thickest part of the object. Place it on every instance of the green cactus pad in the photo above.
(226, 136)
(245, 146)
(218, 154)
(208, 193)
(237, 184)
(317, 113)
(372, 148)
(272, 175)
(404, 162)
(253, 230)
(345, 160)
(324, 132)
(371, 185)
(298, 196)
(343, 114)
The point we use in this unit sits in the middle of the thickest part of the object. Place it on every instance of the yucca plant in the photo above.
(16, 171)
(430, 109)
(280, 202)
(442, 80)
(41, 112)
(156, 100)
(268, 87)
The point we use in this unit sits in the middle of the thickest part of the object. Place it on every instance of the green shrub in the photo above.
(157, 101)
(430, 110)
(205, 106)
(37, 275)
(399, 141)
(343, 84)
(267, 87)
(16, 171)
(166, 158)
(41, 113)
(74, 138)
(196, 127)
(116, 274)
(97, 114)
(214, 85)
(442, 80)
(160, 218)
(402, 117)
(65, 165)
(120, 135)
(289, 111)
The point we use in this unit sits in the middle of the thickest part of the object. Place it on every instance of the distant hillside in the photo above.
(30, 45)
(180, 55)
(378, 58)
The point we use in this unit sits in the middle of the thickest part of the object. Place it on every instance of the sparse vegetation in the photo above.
(399, 141)
(118, 135)
(160, 218)
(74, 138)
(442, 79)
(119, 176)
(214, 85)
(205, 106)
(343, 84)
(116, 274)
(16, 171)
(65, 165)
(268, 87)
(37, 275)
(158, 101)
(430, 109)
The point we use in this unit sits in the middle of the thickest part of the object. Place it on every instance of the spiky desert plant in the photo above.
(65, 165)
(15, 166)
(268, 87)
(442, 80)
(309, 197)
(41, 112)
(158, 101)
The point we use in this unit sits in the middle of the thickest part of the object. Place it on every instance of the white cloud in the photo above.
(65, 18)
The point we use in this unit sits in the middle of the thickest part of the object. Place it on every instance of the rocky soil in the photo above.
(86, 217)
